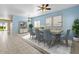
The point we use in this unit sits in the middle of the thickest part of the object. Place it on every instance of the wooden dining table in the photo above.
(57, 35)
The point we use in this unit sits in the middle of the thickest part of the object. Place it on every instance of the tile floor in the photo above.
(12, 44)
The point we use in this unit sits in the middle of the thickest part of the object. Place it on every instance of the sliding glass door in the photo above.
(3, 26)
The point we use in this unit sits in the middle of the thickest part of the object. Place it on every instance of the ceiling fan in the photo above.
(44, 7)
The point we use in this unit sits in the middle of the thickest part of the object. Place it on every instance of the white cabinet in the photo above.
(22, 27)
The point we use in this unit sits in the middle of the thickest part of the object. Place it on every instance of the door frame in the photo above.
(8, 24)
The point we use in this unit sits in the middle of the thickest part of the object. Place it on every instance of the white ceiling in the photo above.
(28, 10)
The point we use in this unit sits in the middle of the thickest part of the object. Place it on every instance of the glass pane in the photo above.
(57, 21)
(3, 26)
(37, 23)
(48, 21)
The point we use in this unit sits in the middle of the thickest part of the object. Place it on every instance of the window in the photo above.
(37, 23)
(49, 21)
(54, 22)
(57, 21)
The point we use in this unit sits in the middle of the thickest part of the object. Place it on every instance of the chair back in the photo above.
(37, 33)
(31, 32)
(47, 35)
(67, 34)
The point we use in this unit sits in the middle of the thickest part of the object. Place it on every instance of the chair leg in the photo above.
(66, 42)
(49, 43)
(44, 42)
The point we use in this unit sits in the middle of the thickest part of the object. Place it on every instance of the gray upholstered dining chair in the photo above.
(32, 34)
(66, 37)
(38, 34)
(48, 38)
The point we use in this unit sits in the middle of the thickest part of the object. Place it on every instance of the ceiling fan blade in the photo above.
(48, 8)
(47, 5)
(41, 9)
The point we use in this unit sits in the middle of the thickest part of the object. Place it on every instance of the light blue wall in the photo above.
(69, 15)
(16, 20)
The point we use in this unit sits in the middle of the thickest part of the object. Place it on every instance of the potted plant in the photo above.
(30, 27)
(75, 29)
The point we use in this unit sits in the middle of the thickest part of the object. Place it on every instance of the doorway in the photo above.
(6, 25)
